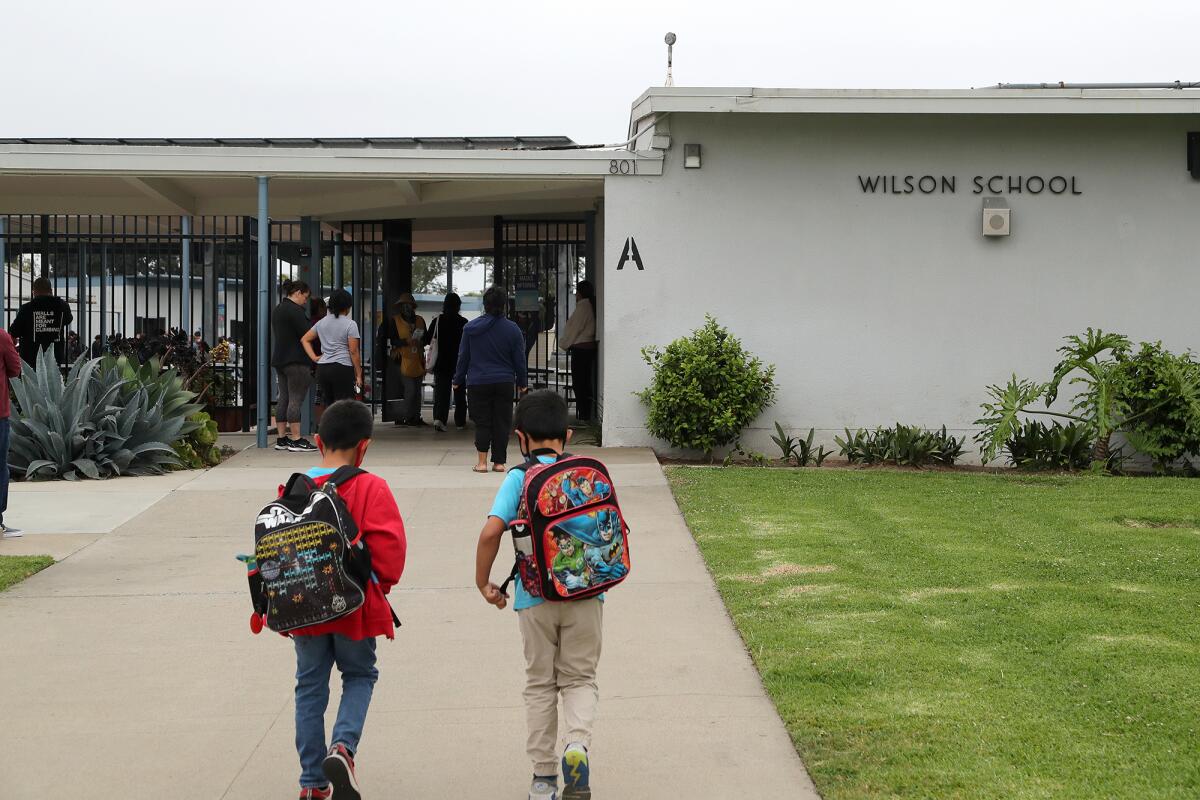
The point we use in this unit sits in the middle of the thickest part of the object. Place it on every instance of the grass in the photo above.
(14, 569)
(959, 635)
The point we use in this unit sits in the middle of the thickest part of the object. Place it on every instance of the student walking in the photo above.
(339, 364)
(293, 367)
(349, 641)
(445, 333)
(12, 369)
(491, 364)
(562, 639)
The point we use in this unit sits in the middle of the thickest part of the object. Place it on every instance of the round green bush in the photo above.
(706, 389)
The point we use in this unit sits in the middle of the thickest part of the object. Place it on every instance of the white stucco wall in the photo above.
(880, 308)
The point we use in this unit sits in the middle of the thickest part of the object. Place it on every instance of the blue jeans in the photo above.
(4, 430)
(315, 657)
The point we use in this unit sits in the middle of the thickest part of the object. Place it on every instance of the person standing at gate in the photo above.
(491, 363)
(11, 365)
(445, 335)
(339, 364)
(579, 340)
(406, 335)
(40, 322)
(292, 365)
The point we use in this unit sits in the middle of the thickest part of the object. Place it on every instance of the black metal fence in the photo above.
(541, 262)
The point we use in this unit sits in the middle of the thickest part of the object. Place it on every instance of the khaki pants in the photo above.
(562, 649)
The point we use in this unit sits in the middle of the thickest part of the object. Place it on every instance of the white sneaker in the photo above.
(543, 788)
(439, 426)
(10, 533)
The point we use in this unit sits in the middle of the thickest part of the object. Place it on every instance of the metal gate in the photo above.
(539, 263)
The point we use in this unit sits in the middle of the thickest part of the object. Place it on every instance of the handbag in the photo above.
(432, 354)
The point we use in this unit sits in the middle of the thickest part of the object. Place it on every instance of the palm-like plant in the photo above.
(1096, 361)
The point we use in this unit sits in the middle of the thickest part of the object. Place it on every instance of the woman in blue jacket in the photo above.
(491, 364)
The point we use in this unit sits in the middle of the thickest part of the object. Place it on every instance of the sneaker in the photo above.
(439, 426)
(460, 427)
(316, 794)
(10, 533)
(339, 768)
(575, 773)
(282, 443)
(418, 422)
(301, 445)
(544, 788)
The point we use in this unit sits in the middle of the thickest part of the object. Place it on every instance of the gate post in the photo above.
(4, 275)
(337, 260)
(185, 267)
(264, 314)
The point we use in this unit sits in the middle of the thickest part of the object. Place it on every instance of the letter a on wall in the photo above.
(630, 253)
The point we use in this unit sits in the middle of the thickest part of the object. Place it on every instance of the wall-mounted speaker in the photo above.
(1193, 153)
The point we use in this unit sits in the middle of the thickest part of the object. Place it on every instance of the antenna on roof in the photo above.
(670, 40)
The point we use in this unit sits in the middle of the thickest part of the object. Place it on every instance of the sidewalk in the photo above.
(129, 670)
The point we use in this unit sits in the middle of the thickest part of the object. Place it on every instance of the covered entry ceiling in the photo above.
(363, 181)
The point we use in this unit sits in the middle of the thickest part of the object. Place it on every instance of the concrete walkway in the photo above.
(128, 670)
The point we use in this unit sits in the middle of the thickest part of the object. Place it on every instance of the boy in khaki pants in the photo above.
(562, 639)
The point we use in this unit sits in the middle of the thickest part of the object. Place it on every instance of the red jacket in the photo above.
(371, 504)
(12, 369)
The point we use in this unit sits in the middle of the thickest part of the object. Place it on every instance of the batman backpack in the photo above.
(310, 564)
(570, 537)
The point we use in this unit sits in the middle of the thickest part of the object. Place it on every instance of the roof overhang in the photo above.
(668, 100)
(331, 183)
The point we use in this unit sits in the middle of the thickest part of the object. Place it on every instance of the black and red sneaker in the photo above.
(339, 768)
(316, 794)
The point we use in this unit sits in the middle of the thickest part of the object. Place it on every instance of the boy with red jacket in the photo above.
(343, 438)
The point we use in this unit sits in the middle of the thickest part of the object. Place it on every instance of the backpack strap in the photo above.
(342, 475)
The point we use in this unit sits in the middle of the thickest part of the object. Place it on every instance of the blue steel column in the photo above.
(3, 272)
(264, 312)
(185, 264)
(338, 283)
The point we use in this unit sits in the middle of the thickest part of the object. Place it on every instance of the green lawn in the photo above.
(14, 569)
(936, 634)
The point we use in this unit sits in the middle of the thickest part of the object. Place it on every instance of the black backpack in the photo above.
(310, 565)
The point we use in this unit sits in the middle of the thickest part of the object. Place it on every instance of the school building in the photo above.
(892, 252)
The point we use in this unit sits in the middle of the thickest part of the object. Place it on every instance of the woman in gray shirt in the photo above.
(339, 366)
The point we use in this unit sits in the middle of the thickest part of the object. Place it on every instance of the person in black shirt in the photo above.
(40, 322)
(292, 365)
(447, 328)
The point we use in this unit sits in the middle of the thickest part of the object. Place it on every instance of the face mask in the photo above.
(408, 313)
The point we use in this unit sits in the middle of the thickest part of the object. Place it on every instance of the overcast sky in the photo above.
(436, 68)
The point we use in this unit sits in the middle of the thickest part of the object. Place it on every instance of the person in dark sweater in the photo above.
(293, 367)
(491, 362)
(447, 330)
(40, 322)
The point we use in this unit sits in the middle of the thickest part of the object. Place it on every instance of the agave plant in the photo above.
(95, 423)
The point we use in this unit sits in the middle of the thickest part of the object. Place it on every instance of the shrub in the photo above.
(706, 389)
(199, 448)
(902, 445)
(1163, 416)
(93, 424)
(1036, 445)
(1152, 396)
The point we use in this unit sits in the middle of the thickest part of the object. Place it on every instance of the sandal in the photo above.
(479, 471)
(500, 469)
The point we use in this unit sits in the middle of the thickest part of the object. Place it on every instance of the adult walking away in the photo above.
(579, 339)
(406, 335)
(292, 365)
(40, 322)
(339, 364)
(12, 369)
(491, 363)
(445, 336)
